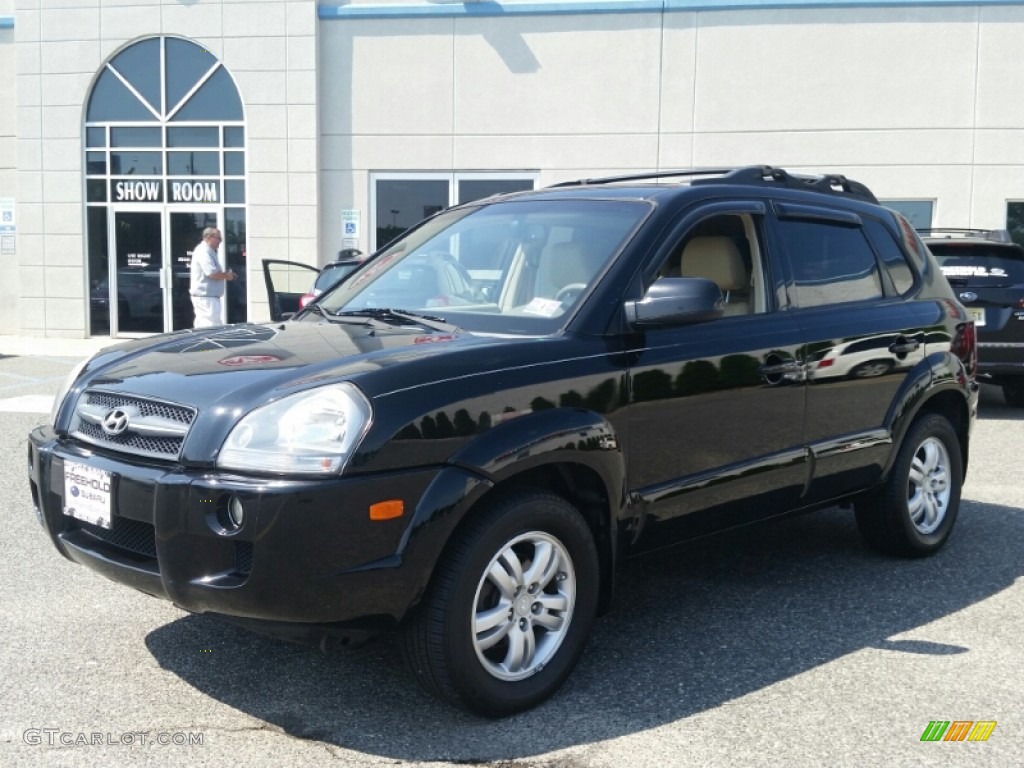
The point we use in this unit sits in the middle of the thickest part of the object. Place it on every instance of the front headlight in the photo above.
(313, 432)
(69, 382)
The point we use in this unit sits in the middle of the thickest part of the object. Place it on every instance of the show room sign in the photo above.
(152, 191)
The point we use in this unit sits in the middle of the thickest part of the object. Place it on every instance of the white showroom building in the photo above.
(301, 127)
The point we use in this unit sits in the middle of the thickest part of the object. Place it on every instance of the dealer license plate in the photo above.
(977, 315)
(87, 493)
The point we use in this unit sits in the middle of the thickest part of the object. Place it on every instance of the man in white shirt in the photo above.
(207, 280)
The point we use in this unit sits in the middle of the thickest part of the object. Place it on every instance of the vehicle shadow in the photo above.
(992, 405)
(690, 630)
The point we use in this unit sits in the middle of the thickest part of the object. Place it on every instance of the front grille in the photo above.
(168, 447)
(146, 407)
(130, 535)
(134, 439)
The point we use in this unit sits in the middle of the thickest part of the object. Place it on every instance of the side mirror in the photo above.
(676, 301)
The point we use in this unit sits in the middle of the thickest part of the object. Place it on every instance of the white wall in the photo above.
(10, 284)
(915, 102)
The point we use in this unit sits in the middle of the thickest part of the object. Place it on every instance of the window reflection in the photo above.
(128, 163)
(193, 163)
(135, 137)
(917, 212)
(139, 64)
(192, 136)
(216, 99)
(111, 101)
(186, 64)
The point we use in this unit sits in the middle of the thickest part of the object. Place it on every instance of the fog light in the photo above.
(236, 513)
(229, 517)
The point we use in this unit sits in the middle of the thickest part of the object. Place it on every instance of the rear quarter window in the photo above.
(894, 260)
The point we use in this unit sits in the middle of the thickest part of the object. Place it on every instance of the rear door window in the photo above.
(831, 263)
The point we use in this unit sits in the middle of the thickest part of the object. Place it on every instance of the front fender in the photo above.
(551, 437)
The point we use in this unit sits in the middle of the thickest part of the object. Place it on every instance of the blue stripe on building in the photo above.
(486, 8)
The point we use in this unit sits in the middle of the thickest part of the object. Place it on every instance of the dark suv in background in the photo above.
(986, 269)
(468, 459)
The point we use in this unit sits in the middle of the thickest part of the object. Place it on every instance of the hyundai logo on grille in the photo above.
(115, 422)
(969, 296)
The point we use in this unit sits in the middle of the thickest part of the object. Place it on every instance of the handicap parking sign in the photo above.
(350, 223)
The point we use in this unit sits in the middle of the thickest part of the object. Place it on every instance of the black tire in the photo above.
(895, 519)
(1014, 394)
(440, 643)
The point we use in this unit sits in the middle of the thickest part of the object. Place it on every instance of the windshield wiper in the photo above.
(403, 316)
(331, 317)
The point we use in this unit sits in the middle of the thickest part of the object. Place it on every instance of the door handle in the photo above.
(904, 346)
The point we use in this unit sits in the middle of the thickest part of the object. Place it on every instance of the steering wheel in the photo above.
(568, 293)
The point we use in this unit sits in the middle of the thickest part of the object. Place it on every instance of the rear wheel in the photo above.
(871, 368)
(510, 607)
(1014, 394)
(913, 513)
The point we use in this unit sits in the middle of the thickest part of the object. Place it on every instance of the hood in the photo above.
(244, 365)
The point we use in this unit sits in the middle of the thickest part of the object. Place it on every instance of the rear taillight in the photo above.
(965, 346)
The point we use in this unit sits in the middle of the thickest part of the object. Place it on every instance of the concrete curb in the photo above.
(23, 346)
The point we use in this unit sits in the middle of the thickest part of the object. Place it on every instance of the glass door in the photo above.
(186, 232)
(137, 285)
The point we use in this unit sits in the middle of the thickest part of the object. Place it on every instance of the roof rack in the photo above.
(949, 233)
(833, 183)
(645, 176)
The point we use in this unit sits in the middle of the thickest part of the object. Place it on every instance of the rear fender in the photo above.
(939, 383)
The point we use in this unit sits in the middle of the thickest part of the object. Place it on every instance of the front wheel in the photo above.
(912, 515)
(510, 607)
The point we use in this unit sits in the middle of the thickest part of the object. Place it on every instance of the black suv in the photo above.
(986, 269)
(469, 464)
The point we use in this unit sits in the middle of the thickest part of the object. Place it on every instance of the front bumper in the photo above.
(307, 551)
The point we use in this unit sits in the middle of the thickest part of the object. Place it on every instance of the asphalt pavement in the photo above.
(789, 644)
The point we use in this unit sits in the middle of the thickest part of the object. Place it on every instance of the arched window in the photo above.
(164, 157)
(164, 79)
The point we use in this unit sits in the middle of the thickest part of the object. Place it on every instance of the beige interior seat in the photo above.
(563, 264)
(718, 259)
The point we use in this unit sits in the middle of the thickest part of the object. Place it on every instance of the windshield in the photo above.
(510, 267)
(979, 265)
